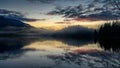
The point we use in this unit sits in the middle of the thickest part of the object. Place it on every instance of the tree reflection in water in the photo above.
(91, 58)
(110, 44)
(84, 58)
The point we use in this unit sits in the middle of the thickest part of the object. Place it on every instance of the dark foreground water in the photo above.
(33, 52)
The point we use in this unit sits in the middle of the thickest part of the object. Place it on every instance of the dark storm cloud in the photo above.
(16, 15)
(91, 11)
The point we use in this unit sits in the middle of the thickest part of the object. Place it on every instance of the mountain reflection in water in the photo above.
(34, 52)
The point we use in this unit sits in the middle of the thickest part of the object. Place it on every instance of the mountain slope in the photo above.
(5, 22)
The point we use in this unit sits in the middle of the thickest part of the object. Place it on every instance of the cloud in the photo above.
(90, 13)
(51, 1)
(43, 1)
(32, 19)
(64, 22)
(9, 12)
(17, 15)
(86, 19)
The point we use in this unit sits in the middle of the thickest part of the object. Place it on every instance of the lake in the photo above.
(34, 52)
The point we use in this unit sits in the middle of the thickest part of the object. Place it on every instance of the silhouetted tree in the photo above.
(109, 30)
(109, 36)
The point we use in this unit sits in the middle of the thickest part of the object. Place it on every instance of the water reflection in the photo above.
(14, 46)
(88, 59)
(110, 44)
(41, 52)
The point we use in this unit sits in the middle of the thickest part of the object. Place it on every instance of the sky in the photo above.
(54, 12)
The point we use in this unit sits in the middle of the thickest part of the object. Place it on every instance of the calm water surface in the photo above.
(31, 52)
